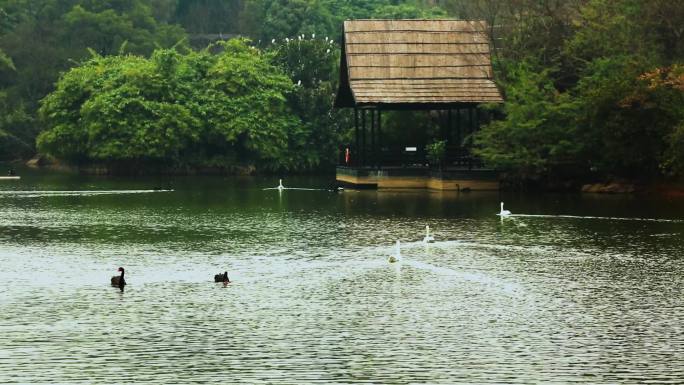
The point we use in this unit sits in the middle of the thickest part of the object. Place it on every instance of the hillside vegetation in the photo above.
(593, 88)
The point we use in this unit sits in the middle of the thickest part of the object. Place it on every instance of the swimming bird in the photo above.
(504, 213)
(280, 186)
(118, 280)
(335, 188)
(397, 256)
(222, 277)
(428, 238)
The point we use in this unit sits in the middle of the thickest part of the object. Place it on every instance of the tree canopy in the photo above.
(592, 87)
(600, 93)
(199, 108)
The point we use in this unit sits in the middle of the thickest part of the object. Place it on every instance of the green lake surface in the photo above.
(578, 288)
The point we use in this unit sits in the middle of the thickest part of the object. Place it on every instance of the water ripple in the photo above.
(313, 300)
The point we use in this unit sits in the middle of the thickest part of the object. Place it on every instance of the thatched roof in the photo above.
(434, 63)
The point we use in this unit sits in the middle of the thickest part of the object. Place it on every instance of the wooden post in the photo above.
(356, 152)
(448, 135)
(379, 157)
(372, 139)
(470, 123)
(477, 127)
(449, 153)
(363, 137)
(470, 138)
(459, 136)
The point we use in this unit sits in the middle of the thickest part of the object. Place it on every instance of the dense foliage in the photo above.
(594, 88)
(45, 37)
(311, 63)
(39, 39)
(199, 108)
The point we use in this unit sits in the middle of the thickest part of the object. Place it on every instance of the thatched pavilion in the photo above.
(438, 65)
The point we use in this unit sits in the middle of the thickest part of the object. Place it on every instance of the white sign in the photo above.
(412, 149)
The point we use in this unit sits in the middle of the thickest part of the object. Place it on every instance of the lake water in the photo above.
(584, 289)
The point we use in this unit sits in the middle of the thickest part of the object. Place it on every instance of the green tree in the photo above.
(209, 16)
(198, 109)
(6, 62)
(16, 136)
(355, 9)
(539, 133)
(247, 105)
(580, 99)
(408, 11)
(16, 133)
(105, 26)
(312, 64)
(293, 18)
(632, 114)
(46, 37)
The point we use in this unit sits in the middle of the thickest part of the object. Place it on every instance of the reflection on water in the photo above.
(551, 297)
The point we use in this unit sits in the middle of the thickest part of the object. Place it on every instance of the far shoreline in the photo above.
(608, 186)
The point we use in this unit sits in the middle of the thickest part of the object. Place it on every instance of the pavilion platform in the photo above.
(418, 178)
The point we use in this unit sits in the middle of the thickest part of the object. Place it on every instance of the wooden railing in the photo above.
(407, 156)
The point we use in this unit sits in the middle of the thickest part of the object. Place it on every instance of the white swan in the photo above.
(504, 213)
(396, 257)
(428, 238)
(280, 187)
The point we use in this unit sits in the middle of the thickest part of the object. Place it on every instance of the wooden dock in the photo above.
(418, 178)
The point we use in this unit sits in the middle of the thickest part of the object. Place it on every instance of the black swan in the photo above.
(118, 280)
(222, 277)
